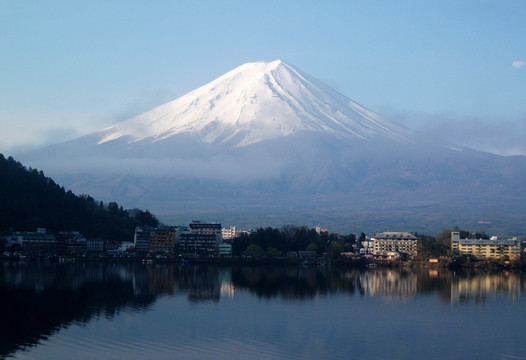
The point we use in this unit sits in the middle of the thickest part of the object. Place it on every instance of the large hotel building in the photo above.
(492, 248)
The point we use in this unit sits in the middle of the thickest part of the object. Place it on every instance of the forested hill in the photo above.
(29, 199)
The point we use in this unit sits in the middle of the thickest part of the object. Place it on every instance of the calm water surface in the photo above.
(117, 311)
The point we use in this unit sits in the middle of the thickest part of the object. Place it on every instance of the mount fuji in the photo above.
(266, 144)
(253, 103)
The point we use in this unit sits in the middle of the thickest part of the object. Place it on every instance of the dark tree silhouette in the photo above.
(29, 199)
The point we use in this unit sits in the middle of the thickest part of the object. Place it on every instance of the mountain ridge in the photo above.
(255, 102)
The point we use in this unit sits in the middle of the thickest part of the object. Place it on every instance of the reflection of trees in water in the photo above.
(345, 281)
(430, 282)
(287, 282)
(201, 283)
(37, 300)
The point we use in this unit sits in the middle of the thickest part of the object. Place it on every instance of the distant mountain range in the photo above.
(266, 144)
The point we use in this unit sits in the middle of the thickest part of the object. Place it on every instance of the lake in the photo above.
(123, 311)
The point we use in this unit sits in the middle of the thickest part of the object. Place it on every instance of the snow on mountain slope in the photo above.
(252, 103)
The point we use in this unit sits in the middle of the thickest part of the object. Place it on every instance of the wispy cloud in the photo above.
(503, 136)
(224, 168)
(518, 64)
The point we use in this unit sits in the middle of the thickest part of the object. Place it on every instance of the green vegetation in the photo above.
(269, 242)
(29, 200)
(429, 247)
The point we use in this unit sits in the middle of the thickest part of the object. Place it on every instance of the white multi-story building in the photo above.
(390, 242)
(200, 239)
(367, 247)
(228, 233)
(198, 228)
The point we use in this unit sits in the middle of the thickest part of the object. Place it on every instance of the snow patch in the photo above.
(261, 101)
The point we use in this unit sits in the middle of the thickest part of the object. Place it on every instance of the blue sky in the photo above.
(452, 68)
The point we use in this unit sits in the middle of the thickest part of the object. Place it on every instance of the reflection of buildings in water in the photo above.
(39, 277)
(389, 284)
(200, 283)
(62, 276)
(161, 280)
(140, 281)
(124, 273)
(25, 276)
(155, 280)
(227, 286)
(480, 287)
(227, 289)
(94, 273)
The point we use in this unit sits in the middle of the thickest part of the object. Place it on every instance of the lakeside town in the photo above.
(212, 243)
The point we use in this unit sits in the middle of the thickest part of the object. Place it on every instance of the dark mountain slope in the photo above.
(29, 199)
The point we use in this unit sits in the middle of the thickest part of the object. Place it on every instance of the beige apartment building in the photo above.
(162, 240)
(492, 248)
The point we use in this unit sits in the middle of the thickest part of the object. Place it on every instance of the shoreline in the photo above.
(450, 265)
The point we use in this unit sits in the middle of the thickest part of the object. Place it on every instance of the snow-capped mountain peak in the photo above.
(255, 102)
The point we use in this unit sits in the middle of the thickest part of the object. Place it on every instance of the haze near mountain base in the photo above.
(266, 144)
